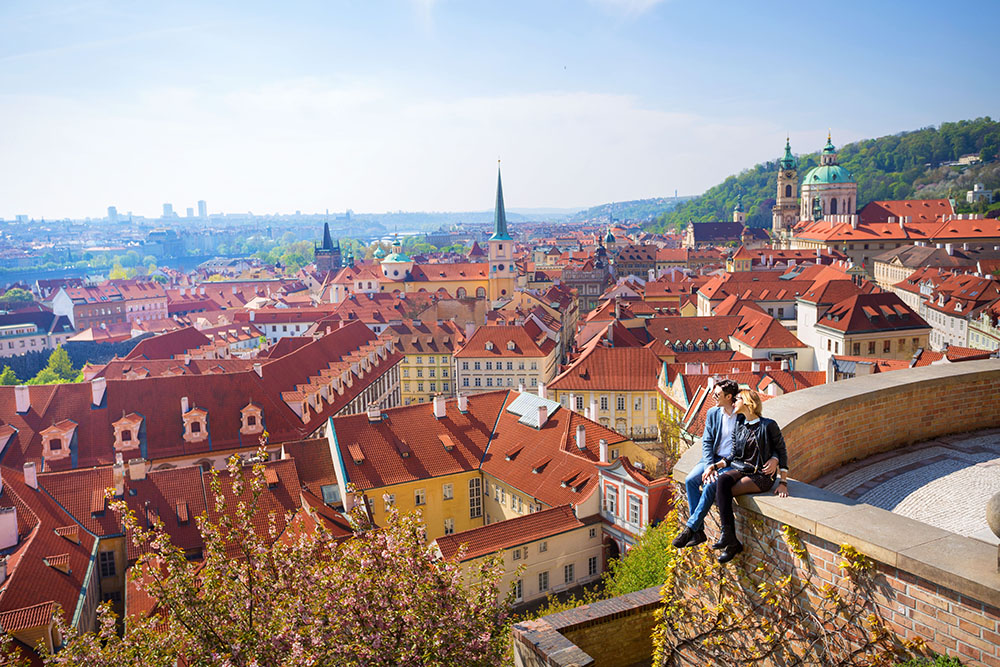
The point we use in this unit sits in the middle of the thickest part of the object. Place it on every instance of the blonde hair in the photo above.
(751, 399)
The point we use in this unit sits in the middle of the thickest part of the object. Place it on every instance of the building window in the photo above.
(517, 554)
(871, 347)
(465, 382)
(886, 346)
(503, 496)
(856, 350)
(579, 402)
(448, 491)
(638, 404)
(449, 526)
(568, 574)
(604, 402)
(475, 498)
(621, 403)
(611, 500)
(465, 365)
(390, 500)
(420, 372)
(510, 365)
(543, 546)
(478, 382)
(534, 365)
(634, 509)
(476, 365)
(489, 365)
(419, 497)
(420, 360)
(593, 533)
(543, 581)
(614, 454)
(518, 590)
(592, 566)
(107, 564)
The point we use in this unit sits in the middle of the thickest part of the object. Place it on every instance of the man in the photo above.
(716, 444)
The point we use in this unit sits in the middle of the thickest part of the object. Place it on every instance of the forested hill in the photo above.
(893, 167)
(637, 209)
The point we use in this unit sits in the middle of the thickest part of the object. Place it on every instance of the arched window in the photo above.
(460, 293)
(480, 292)
(833, 207)
(788, 191)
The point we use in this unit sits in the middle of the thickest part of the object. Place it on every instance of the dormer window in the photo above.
(253, 420)
(195, 425)
(55, 444)
(489, 345)
(56, 440)
(127, 431)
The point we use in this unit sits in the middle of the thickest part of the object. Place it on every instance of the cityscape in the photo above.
(295, 370)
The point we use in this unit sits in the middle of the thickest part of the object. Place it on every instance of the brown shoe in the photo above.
(682, 538)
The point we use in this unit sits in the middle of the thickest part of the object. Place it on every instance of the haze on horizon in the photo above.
(406, 105)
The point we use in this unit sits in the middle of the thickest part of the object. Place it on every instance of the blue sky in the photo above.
(406, 105)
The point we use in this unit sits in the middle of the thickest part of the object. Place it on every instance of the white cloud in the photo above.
(310, 144)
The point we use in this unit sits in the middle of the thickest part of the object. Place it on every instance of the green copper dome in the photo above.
(609, 237)
(397, 257)
(379, 253)
(788, 161)
(827, 173)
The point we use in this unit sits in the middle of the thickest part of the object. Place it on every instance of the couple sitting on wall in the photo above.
(742, 452)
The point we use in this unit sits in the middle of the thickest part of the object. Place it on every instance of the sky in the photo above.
(381, 106)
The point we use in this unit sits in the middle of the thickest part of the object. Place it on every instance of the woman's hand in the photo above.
(771, 466)
(781, 490)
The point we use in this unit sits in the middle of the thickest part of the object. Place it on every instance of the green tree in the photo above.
(646, 564)
(17, 295)
(8, 376)
(60, 364)
(47, 376)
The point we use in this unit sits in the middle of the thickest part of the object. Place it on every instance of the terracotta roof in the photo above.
(528, 340)
(418, 337)
(610, 369)
(761, 331)
(883, 311)
(510, 533)
(921, 210)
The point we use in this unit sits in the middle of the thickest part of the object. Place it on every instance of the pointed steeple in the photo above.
(788, 161)
(327, 239)
(499, 216)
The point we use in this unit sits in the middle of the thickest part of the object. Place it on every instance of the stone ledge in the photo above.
(963, 564)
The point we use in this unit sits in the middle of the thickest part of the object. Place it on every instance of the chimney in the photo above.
(374, 412)
(572, 402)
(949, 248)
(234, 290)
(203, 291)
(439, 407)
(711, 384)
(3, 569)
(603, 450)
(97, 388)
(581, 437)
(251, 315)
(586, 413)
(542, 391)
(543, 415)
(463, 403)
(137, 469)
(593, 409)
(31, 475)
(8, 527)
(258, 368)
(184, 405)
(785, 365)
(187, 359)
(520, 387)
(118, 476)
(22, 399)
(755, 367)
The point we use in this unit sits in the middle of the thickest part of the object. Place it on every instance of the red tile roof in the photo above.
(528, 341)
(921, 210)
(883, 311)
(510, 533)
(611, 369)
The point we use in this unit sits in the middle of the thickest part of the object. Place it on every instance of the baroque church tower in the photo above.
(501, 251)
(784, 214)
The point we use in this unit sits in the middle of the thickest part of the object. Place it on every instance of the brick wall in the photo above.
(609, 633)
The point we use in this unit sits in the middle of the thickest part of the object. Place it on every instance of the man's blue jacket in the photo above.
(710, 438)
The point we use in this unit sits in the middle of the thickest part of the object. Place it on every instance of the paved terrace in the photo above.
(945, 482)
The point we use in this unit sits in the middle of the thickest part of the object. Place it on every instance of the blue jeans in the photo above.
(699, 499)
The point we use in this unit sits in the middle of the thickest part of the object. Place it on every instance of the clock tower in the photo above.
(501, 251)
(784, 214)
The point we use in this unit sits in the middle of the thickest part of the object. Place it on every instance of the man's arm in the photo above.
(709, 437)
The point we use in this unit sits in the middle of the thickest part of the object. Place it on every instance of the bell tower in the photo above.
(500, 251)
(785, 210)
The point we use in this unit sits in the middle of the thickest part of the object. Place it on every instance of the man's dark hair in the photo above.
(728, 386)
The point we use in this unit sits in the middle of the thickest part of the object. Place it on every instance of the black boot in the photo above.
(697, 537)
(730, 552)
(726, 538)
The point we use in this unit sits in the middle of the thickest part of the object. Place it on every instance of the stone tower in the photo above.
(785, 212)
(501, 251)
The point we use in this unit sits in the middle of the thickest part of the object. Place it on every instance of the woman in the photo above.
(758, 457)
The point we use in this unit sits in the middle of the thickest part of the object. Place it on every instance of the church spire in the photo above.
(327, 239)
(788, 161)
(499, 216)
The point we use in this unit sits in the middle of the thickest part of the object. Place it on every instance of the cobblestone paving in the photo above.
(944, 482)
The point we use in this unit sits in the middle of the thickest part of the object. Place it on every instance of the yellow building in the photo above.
(427, 368)
(506, 356)
(615, 386)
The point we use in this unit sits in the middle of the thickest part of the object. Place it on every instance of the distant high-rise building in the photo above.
(202, 209)
(328, 256)
(168, 210)
(190, 212)
(112, 214)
